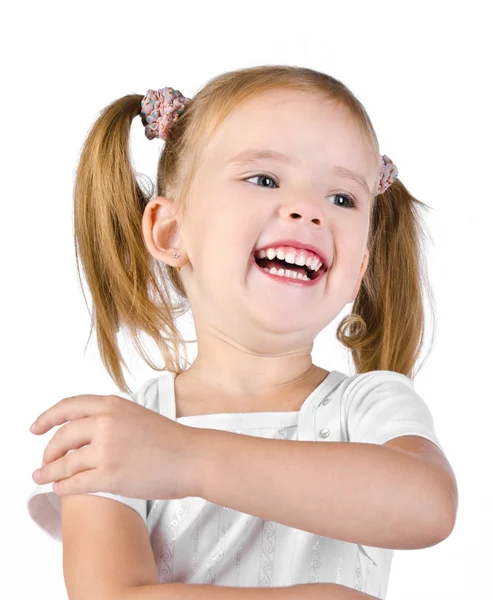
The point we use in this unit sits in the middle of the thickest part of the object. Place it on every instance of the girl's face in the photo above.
(236, 208)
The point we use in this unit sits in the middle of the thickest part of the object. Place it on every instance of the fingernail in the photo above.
(36, 474)
(33, 426)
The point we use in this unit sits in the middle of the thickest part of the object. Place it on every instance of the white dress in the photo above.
(196, 541)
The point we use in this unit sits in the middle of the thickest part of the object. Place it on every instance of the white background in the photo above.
(423, 72)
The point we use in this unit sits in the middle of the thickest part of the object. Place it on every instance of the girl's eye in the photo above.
(352, 203)
(262, 177)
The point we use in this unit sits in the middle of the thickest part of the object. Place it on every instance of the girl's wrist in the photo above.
(198, 447)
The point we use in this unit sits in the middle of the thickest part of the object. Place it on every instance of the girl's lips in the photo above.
(289, 280)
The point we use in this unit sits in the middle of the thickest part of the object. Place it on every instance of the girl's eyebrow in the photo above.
(251, 155)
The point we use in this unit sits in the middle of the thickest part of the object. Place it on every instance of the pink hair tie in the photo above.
(388, 174)
(160, 109)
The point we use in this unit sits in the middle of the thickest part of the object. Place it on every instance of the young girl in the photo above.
(274, 211)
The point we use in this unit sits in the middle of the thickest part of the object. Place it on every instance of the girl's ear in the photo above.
(161, 231)
(362, 271)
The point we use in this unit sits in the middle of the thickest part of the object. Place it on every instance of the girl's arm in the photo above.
(187, 591)
(366, 494)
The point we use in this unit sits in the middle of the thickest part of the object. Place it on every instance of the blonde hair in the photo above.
(133, 291)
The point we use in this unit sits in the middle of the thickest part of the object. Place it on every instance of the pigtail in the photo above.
(108, 209)
(387, 323)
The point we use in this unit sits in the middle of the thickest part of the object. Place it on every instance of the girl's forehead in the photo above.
(292, 128)
(287, 118)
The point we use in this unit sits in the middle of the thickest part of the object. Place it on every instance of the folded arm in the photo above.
(361, 493)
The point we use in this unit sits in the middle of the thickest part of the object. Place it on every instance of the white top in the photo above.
(196, 541)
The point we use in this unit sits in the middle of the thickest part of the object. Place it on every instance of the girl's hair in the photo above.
(131, 289)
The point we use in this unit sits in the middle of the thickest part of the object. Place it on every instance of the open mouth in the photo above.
(278, 263)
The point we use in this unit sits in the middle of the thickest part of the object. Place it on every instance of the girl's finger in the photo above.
(71, 436)
(69, 466)
(69, 409)
(85, 482)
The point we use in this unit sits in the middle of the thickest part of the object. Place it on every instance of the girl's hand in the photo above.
(119, 447)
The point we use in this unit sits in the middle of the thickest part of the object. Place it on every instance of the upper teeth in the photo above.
(293, 256)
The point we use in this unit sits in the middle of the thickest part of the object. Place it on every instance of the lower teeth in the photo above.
(289, 274)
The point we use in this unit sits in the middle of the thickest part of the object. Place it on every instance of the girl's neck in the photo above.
(193, 399)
